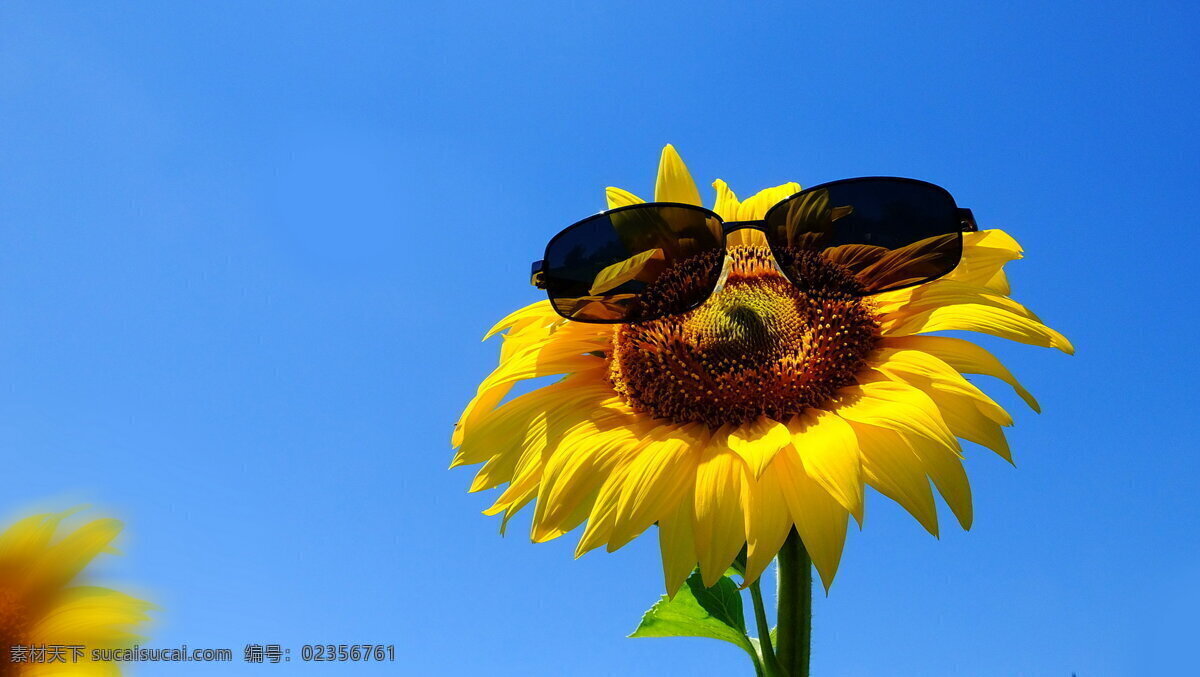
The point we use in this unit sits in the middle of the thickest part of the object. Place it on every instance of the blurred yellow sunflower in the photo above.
(727, 433)
(41, 607)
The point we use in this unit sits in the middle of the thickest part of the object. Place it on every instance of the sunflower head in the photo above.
(766, 409)
(41, 602)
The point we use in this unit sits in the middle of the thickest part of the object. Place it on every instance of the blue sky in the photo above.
(247, 252)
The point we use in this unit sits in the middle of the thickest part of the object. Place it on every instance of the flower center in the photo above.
(13, 630)
(760, 346)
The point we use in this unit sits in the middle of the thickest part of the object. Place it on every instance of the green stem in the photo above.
(794, 635)
(764, 631)
(758, 668)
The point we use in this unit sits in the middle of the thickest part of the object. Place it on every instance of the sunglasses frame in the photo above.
(966, 221)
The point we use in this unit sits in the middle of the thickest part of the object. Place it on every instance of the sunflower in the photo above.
(39, 606)
(764, 410)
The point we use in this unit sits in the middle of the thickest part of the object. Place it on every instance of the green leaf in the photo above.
(722, 601)
(698, 611)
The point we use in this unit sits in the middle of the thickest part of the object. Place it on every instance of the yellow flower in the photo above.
(39, 606)
(761, 410)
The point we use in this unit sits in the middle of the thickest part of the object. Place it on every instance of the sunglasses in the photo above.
(645, 261)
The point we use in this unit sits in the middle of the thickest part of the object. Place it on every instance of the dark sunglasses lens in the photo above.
(886, 233)
(635, 264)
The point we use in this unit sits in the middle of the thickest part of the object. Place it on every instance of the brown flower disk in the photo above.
(760, 346)
(13, 629)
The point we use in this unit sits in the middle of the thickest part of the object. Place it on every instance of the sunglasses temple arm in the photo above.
(536, 277)
(967, 220)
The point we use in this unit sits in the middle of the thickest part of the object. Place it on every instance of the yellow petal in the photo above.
(559, 350)
(26, 538)
(517, 504)
(820, 520)
(545, 531)
(720, 504)
(768, 522)
(540, 312)
(756, 206)
(61, 562)
(758, 441)
(994, 239)
(675, 183)
(896, 406)
(677, 543)
(915, 366)
(944, 292)
(573, 474)
(97, 617)
(548, 361)
(603, 515)
(483, 403)
(829, 451)
(962, 415)
(528, 468)
(946, 471)
(980, 318)
(644, 267)
(656, 478)
(546, 358)
(726, 205)
(965, 357)
(564, 430)
(893, 468)
(984, 255)
(503, 429)
(998, 283)
(599, 523)
(518, 458)
(618, 197)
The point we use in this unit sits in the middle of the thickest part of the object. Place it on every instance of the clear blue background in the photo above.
(247, 251)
